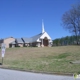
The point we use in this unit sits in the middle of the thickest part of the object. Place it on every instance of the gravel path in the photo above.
(19, 75)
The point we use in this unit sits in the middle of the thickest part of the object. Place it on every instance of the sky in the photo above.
(23, 18)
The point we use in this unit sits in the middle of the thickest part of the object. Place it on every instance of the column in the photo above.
(38, 44)
(49, 43)
(42, 43)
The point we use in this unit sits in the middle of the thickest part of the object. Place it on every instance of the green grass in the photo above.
(60, 56)
(51, 60)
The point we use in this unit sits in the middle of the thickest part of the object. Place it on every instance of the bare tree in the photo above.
(71, 20)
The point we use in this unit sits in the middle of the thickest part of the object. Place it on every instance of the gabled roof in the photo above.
(8, 37)
(34, 38)
(13, 42)
(45, 34)
(27, 40)
(19, 40)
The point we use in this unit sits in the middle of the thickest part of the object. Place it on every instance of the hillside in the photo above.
(51, 60)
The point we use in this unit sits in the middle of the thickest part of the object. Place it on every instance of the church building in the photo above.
(40, 40)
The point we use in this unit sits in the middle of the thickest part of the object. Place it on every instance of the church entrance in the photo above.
(45, 41)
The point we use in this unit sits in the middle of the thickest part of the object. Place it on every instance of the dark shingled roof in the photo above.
(19, 40)
(27, 40)
(34, 38)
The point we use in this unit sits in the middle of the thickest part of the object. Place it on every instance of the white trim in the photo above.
(45, 34)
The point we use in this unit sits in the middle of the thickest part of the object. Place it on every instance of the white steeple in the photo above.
(43, 27)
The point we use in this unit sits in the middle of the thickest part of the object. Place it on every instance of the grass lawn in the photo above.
(51, 60)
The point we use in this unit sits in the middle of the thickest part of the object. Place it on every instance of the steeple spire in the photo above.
(43, 27)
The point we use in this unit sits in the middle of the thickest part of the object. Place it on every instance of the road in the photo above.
(20, 75)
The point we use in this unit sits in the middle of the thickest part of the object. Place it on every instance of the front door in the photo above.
(45, 41)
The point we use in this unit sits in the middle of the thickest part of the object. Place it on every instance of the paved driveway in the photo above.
(19, 75)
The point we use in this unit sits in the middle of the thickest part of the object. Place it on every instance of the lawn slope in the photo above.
(51, 60)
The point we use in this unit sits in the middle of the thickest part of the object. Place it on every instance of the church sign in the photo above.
(3, 49)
